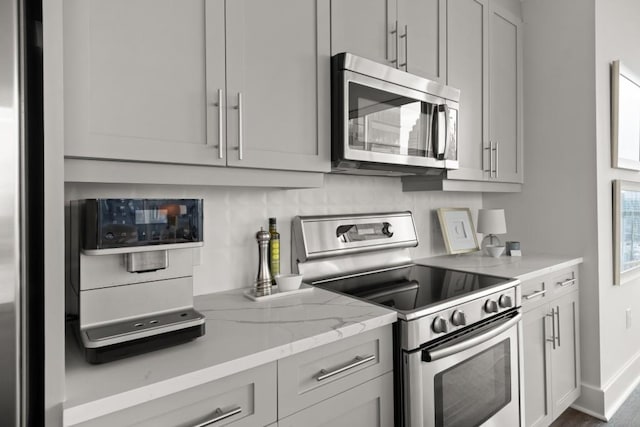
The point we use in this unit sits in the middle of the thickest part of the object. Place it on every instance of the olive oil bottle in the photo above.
(274, 249)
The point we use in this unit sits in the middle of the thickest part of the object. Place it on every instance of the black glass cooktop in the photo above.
(410, 288)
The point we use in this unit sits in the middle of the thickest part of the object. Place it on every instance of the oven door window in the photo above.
(472, 391)
(385, 122)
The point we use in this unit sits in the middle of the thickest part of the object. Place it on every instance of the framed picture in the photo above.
(625, 117)
(626, 231)
(458, 231)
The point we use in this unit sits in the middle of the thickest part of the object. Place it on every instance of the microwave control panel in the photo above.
(121, 223)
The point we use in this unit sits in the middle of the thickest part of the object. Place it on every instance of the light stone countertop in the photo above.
(525, 267)
(240, 334)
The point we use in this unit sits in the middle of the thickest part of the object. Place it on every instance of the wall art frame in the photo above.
(626, 231)
(625, 117)
(458, 231)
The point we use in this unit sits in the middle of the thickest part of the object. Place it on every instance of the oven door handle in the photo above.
(430, 355)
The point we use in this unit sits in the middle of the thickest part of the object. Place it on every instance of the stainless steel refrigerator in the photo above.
(21, 215)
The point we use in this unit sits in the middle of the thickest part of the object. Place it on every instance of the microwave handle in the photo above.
(440, 131)
(445, 132)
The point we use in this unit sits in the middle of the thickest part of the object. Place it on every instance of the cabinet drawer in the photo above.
(535, 292)
(315, 375)
(367, 405)
(248, 394)
(541, 289)
(564, 281)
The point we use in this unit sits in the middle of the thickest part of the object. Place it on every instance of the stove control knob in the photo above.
(491, 306)
(439, 325)
(505, 301)
(387, 229)
(458, 318)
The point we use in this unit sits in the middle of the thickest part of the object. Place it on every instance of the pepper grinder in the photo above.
(263, 281)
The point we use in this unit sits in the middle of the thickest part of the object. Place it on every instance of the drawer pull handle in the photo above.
(218, 415)
(567, 282)
(323, 375)
(536, 294)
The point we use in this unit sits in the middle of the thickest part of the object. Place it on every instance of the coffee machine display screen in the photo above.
(151, 216)
(122, 223)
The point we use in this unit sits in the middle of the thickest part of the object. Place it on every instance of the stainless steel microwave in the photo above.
(385, 121)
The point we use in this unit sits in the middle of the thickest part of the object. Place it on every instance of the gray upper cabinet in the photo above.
(364, 34)
(505, 97)
(406, 34)
(468, 70)
(134, 94)
(484, 61)
(202, 82)
(422, 37)
(277, 91)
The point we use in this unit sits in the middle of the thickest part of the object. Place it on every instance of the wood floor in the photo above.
(627, 416)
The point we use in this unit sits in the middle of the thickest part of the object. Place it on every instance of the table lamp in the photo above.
(490, 223)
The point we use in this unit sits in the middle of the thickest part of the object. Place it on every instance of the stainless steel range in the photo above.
(457, 340)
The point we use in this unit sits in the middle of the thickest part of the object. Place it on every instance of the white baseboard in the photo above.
(602, 403)
(621, 385)
(591, 401)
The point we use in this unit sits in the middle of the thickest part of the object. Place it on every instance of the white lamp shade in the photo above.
(491, 221)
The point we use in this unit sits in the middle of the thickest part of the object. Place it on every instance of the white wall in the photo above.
(617, 29)
(232, 216)
(556, 211)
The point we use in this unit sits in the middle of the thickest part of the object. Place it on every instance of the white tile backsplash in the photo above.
(233, 215)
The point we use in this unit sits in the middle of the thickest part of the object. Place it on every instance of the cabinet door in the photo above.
(505, 81)
(216, 80)
(422, 37)
(537, 372)
(278, 84)
(565, 360)
(367, 405)
(364, 28)
(468, 70)
(136, 92)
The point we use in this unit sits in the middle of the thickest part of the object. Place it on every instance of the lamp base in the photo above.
(489, 240)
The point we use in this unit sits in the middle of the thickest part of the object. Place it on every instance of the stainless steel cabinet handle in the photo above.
(536, 294)
(239, 108)
(395, 33)
(220, 107)
(567, 282)
(218, 415)
(553, 327)
(490, 159)
(558, 317)
(220, 136)
(405, 36)
(359, 360)
(494, 149)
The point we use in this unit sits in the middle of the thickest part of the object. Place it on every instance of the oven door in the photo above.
(382, 122)
(471, 380)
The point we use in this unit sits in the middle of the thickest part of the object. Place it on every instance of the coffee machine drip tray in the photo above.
(135, 336)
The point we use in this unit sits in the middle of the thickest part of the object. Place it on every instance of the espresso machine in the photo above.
(131, 274)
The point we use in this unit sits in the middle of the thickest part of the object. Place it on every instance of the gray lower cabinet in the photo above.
(246, 399)
(312, 376)
(551, 346)
(344, 383)
(217, 83)
(367, 405)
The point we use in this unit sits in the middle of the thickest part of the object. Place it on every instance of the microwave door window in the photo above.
(383, 122)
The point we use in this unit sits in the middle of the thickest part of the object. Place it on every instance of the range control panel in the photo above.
(121, 223)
